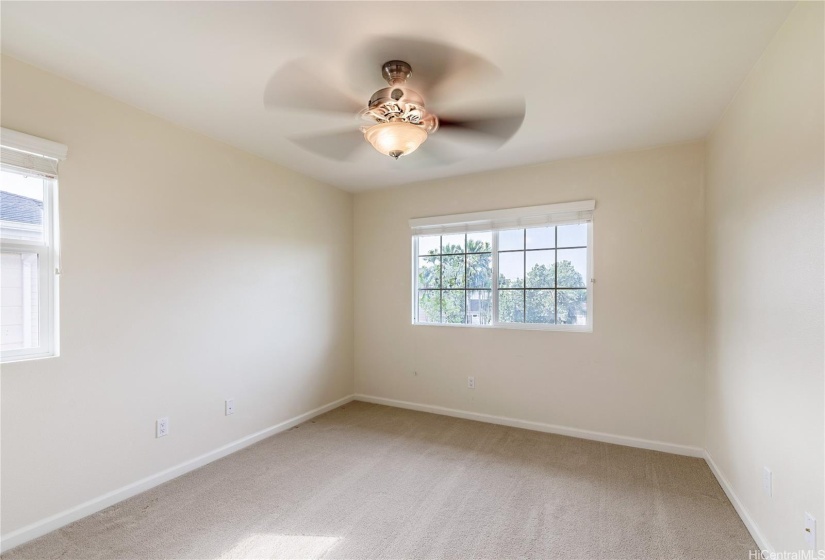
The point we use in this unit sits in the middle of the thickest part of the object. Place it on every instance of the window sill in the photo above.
(27, 358)
(514, 327)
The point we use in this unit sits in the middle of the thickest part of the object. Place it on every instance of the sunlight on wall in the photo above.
(260, 546)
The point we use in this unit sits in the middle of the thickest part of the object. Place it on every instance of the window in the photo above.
(516, 268)
(28, 246)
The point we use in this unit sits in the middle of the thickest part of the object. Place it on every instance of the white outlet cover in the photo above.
(767, 482)
(162, 427)
(810, 531)
(471, 382)
(230, 406)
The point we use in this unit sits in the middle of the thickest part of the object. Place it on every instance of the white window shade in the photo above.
(30, 154)
(512, 218)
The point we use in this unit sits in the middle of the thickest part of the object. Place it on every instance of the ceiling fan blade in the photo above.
(434, 152)
(493, 127)
(340, 146)
(433, 63)
(298, 85)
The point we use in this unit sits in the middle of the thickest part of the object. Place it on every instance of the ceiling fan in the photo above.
(396, 120)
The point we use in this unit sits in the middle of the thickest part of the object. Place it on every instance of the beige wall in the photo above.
(639, 374)
(765, 284)
(192, 272)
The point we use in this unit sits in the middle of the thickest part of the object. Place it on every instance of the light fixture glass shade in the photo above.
(395, 139)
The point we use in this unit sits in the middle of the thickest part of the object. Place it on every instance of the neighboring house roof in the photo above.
(21, 209)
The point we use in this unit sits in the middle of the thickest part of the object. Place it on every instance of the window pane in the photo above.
(429, 306)
(479, 271)
(541, 306)
(429, 272)
(452, 275)
(429, 245)
(21, 206)
(573, 235)
(542, 276)
(453, 306)
(511, 306)
(480, 242)
(572, 268)
(541, 269)
(511, 270)
(479, 310)
(19, 293)
(511, 240)
(572, 307)
(541, 238)
(452, 243)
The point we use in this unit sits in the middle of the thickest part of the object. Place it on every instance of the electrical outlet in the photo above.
(810, 531)
(767, 482)
(471, 382)
(162, 427)
(230, 406)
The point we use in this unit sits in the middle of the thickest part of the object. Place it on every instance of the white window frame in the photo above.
(500, 220)
(47, 250)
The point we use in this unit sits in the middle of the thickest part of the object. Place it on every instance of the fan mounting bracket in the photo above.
(396, 72)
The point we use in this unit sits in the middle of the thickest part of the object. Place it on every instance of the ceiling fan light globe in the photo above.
(395, 139)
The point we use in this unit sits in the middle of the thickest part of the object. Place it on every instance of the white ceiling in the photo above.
(597, 76)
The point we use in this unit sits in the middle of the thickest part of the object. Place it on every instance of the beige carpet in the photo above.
(369, 481)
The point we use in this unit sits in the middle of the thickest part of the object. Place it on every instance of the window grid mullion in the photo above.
(541, 249)
(524, 282)
(441, 279)
(556, 277)
(466, 249)
(494, 279)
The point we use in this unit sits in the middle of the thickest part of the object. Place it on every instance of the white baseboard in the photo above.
(675, 448)
(49, 524)
(751, 525)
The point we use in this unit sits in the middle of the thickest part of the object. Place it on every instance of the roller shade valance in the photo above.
(30, 154)
(511, 218)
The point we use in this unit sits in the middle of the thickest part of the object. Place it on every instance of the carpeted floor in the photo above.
(369, 481)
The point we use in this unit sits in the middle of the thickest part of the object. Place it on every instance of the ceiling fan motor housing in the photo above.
(396, 94)
(398, 103)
